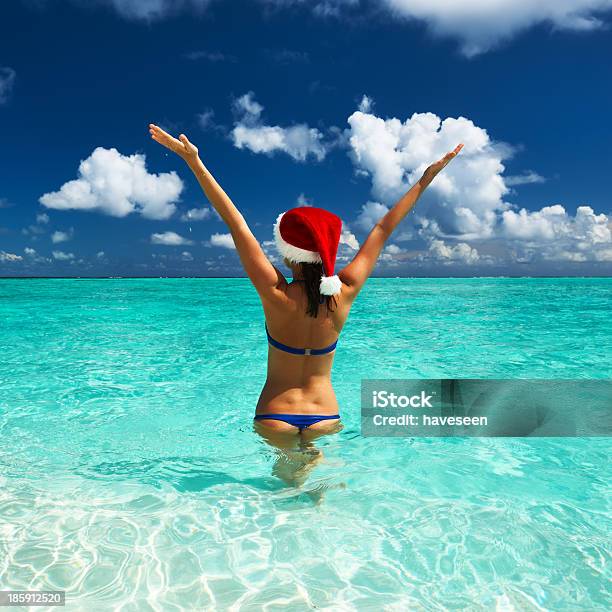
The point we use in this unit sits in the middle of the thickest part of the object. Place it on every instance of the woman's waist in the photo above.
(278, 400)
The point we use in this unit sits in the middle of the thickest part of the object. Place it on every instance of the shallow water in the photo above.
(130, 475)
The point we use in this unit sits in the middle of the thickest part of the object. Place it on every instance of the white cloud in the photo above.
(393, 249)
(271, 251)
(481, 25)
(117, 185)
(9, 257)
(460, 252)
(466, 202)
(169, 239)
(58, 236)
(524, 179)
(393, 255)
(222, 240)
(370, 214)
(365, 106)
(34, 257)
(541, 224)
(347, 237)
(478, 25)
(604, 254)
(298, 141)
(186, 256)
(100, 254)
(463, 199)
(61, 256)
(586, 236)
(7, 81)
(37, 228)
(196, 214)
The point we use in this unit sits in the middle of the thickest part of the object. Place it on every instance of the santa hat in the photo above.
(311, 235)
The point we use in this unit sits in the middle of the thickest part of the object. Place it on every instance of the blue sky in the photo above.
(334, 103)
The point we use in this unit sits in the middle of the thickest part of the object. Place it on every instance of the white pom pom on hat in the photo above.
(330, 285)
(307, 234)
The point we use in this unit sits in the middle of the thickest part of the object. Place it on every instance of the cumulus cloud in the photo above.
(478, 25)
(186, 256)
(464, 199)
(62, 256)
(7, 81)
(393, 255)
(33, 257)
(393, 249)
(299, 141)
(59, 236)
(557, 235)
(169, 239)
(271, 251)
(9, 257)
(481, 25)
(117, 185)
(348, 238)
(460, 252)
(467, 202)
(222, 240)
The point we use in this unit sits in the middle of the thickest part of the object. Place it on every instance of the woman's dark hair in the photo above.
(312, 273)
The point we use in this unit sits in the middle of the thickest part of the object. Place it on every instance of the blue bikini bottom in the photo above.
(301, 421)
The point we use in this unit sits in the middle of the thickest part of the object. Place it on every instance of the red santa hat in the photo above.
(311, 235)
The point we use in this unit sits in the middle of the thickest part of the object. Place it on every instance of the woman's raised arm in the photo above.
(264, 276)
(355, 274)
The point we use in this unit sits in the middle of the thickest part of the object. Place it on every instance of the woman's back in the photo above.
(297, 380)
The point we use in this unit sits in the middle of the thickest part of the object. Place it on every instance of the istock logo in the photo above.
(384, 399)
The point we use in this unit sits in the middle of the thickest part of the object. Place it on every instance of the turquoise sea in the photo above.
(131, 478)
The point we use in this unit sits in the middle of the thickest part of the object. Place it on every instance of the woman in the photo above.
(303, 317)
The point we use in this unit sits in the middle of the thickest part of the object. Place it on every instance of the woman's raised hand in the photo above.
(434, 169)
(181, 146)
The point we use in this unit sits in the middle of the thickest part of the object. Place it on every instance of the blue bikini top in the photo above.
(299, 351)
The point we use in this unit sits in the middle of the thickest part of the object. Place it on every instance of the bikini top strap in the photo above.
(299, 351)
